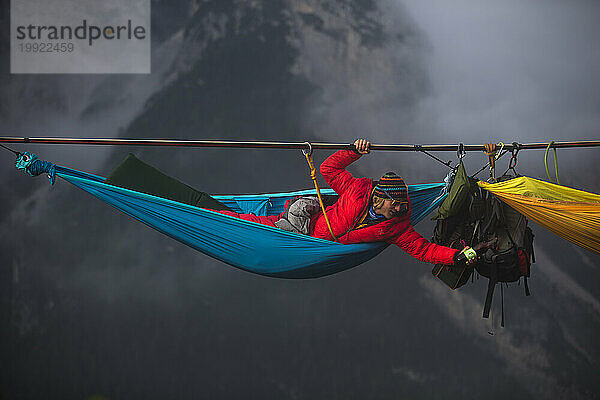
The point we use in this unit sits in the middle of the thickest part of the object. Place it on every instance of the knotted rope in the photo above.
(30, 163)
(313, 175)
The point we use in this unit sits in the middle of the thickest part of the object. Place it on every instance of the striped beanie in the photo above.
(391, 186)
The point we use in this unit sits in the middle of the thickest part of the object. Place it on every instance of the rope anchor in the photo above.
(29, 163)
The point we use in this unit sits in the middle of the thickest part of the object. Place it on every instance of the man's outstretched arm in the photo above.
(421, 249)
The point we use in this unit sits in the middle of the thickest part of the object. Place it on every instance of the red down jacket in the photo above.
(354, 195)
(352, 204)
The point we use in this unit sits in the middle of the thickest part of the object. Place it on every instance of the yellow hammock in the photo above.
(572, 214)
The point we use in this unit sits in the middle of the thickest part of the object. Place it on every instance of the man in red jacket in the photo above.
(366, 211)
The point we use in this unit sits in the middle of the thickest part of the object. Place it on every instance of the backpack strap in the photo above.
(490, 292)
(502, 302)
(493, 214)
(488, 299)
(529, 243)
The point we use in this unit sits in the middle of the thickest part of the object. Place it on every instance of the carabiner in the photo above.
(499, 151)
(309, 151)
(515, 150)
(460, 152)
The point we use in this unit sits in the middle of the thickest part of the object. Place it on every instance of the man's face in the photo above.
(391, 209)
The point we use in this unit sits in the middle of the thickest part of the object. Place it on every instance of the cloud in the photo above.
(565, 284)
(526, 356)
(512, 71)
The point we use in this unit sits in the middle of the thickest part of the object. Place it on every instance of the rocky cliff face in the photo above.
(96, 303)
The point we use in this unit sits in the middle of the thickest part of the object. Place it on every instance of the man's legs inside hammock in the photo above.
(296, 218)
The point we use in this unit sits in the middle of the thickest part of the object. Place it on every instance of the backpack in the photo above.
(453, 227)
(499, 234)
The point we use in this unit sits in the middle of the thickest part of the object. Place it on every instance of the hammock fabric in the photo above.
(252, 247)
(572, 214)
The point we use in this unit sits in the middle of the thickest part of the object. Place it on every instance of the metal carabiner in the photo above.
(513, 158)
(499, 151)
(309, 151)
(460, 151)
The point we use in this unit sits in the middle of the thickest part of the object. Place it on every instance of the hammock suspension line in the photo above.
(313, 175)
(16, 153)
(419, 147)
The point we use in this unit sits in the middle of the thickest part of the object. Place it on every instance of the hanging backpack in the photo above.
(453, 227)
(509, 258)
(499, 234)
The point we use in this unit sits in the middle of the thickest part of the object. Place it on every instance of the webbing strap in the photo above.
(488, 298)
(555, 162)
(502, 301)
(313, 175)
(490, 292)
(491, 151)
(527, 292)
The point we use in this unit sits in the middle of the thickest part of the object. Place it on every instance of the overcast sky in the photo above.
(512, 70)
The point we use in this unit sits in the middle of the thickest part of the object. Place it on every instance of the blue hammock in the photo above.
(247, 245)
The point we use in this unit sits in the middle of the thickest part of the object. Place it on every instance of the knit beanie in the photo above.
(391, 186)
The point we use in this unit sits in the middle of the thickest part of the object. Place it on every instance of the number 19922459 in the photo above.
(47, 47)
